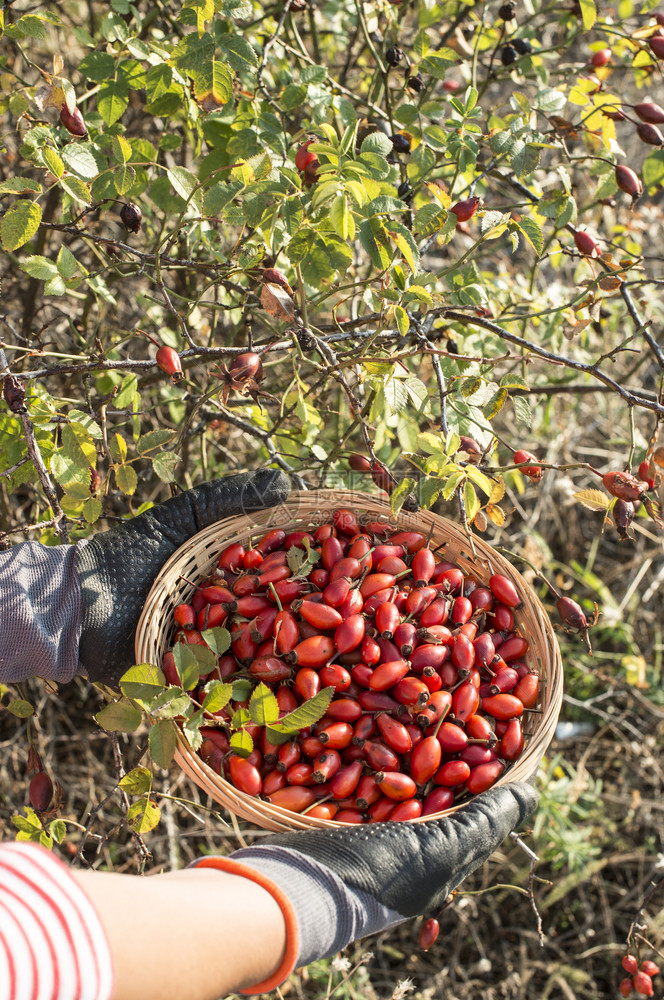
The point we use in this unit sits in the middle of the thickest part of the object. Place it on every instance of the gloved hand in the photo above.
(116, 568)
(336, 885)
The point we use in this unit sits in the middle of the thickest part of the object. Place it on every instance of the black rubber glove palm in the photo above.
(411, 868)
(117, 568)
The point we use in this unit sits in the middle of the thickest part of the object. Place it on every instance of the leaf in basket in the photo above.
(137, 781)
(119, 717)
(170, 703)
(242, 689)
(218, 639)
(186, 665)
(142, 682)
(143, 815)
(191, 728)
(307, 714)
(240, 718)
(302, 561)
(592, 499)
(274, 738)
(217, 695)
(242, 743)
(263, 707)
(163, 740)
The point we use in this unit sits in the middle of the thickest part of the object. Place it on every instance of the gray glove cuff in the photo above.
(41, 601)
(329, 914)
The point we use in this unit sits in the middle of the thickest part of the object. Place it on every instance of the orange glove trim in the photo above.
(292, 933)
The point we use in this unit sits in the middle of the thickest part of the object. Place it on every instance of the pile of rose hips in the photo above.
(640, 977)
(430, 687)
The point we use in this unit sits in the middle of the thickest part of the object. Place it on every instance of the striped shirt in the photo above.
(52, 944)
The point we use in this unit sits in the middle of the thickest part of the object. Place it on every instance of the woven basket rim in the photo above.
(307, 509)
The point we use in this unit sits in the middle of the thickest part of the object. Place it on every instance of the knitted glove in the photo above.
(117, 568)
(75, 608)
(339, 884)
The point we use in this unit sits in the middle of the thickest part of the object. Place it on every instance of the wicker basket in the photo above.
(196, 559)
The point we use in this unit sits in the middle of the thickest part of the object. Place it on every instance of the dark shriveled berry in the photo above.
(623, 515)
(507, 12)
(393, 56)
(131, 216)
(508, 55)
(14, 393)
(305, 338)
(400, 143)
(522, 46)
(415, 83)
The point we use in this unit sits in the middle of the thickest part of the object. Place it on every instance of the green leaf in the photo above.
(163, 741)
(263, 706)
(152, 440)
(112, 99)
(119, 717)
(239, 52)
(375, 239)
(471, 501)
(341, 218)
(532, 233)
(183, 181)
(78, 158)
(452, 482)
(118, 447)
(39, 267)
(395, 393)
(402, 319)
(171, 703)
(57, 828)
(142, 682)
(186, 665)
(428, 492)
(242, 743)
(126, 479)
(218, 639)
(480, 480)
(20, 185)
(19, 224)
(125, 397)
(401, 493)
(164, 464)
(218, 695)
(377, 142)
(97, 66)
(67, 266)
(653, 169)
(495, 404)
(143, 816)
(191, 728)
(523, 410)
(20, 708)
(77, 189)
(138, 781)
(306, 714)
(242, 688)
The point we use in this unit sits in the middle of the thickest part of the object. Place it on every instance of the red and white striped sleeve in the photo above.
(52, 943)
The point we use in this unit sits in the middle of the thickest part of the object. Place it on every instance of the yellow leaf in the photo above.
(496, 514)
(592, 499)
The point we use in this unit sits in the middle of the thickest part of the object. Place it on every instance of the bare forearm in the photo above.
(196, 933)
